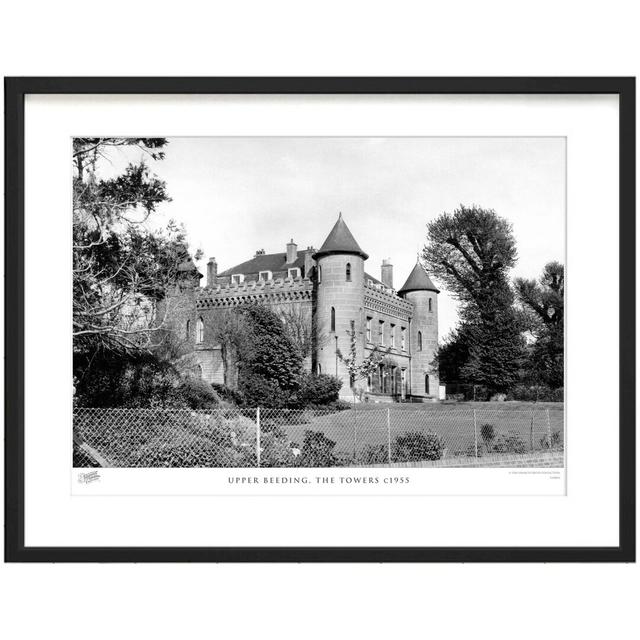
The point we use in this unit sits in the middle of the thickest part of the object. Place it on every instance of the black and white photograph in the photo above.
(318, 302)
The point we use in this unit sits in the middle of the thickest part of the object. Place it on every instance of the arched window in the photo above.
(430, 307)
(426, 383)
(419, 340)
(200, 331)
(198, 371)
(348, 272)
(187, 330)
(333, 319)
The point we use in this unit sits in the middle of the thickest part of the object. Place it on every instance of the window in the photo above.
(198, 371)
(403, 382)
(237, 278)
(348, 272)
(200, 331)
(265, 275)
(381, 332)
(352, 327)
(333, 319)
(294, 273)
(430, 307)
(369, 381)
(403, 338)
(369, 329)
(393, 335)
(426, 383)
(187, 330)
(419, 340)
(319, 274)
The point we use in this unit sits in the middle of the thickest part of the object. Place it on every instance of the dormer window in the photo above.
(265, 275)
(294, 273)
(237, 278)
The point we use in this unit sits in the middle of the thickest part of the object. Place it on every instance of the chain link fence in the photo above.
(361, 436)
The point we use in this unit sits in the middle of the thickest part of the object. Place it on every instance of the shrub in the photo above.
(317, 450)
(317, 390)
(230, 395)
(535, 393)
(197, 394)
(416, 445)
(374, 454)
(554, 442)
(488, 434)
(339, 405)
(511, 443)
(259, 391)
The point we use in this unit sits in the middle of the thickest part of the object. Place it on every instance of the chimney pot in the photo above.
(292, 252)
(386, 273)
(212, 272)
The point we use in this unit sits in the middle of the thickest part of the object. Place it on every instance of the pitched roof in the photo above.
(266, 262)
(340, 240)
(418, 280)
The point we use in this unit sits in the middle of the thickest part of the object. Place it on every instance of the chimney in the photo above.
(292, 252)
(212, 272)
(308, 261)
(386, 273)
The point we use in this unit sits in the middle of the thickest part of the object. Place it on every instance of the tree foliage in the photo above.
(275, 357)
(544, 299)
(472, 251)
(120, 267)
(361, 369)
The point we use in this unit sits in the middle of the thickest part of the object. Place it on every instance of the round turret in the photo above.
(422, 293)
(339, 302)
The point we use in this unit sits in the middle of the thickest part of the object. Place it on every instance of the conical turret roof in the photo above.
(340, 240)
(418, 280)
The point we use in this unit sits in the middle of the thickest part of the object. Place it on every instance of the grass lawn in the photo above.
(453, 422)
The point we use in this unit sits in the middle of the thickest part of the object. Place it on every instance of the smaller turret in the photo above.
(423, 294)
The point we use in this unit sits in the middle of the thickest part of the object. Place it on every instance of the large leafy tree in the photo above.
(121, 267)
(274, 355)
(472, 250)
(544, 300)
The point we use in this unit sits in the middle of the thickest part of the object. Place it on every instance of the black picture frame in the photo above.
(15, 91)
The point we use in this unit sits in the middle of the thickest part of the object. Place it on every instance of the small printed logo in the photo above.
(86, 478)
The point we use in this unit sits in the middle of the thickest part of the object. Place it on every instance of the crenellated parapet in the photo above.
(379, 298)
(275, 292)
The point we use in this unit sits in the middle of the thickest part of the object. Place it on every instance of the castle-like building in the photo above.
(329, 290)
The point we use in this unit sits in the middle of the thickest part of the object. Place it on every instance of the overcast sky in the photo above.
(237, 195)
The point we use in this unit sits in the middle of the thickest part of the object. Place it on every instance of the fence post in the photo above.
(549, 428)
(475, 431)
(531, 429)
(258, 435)
(389, 433)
